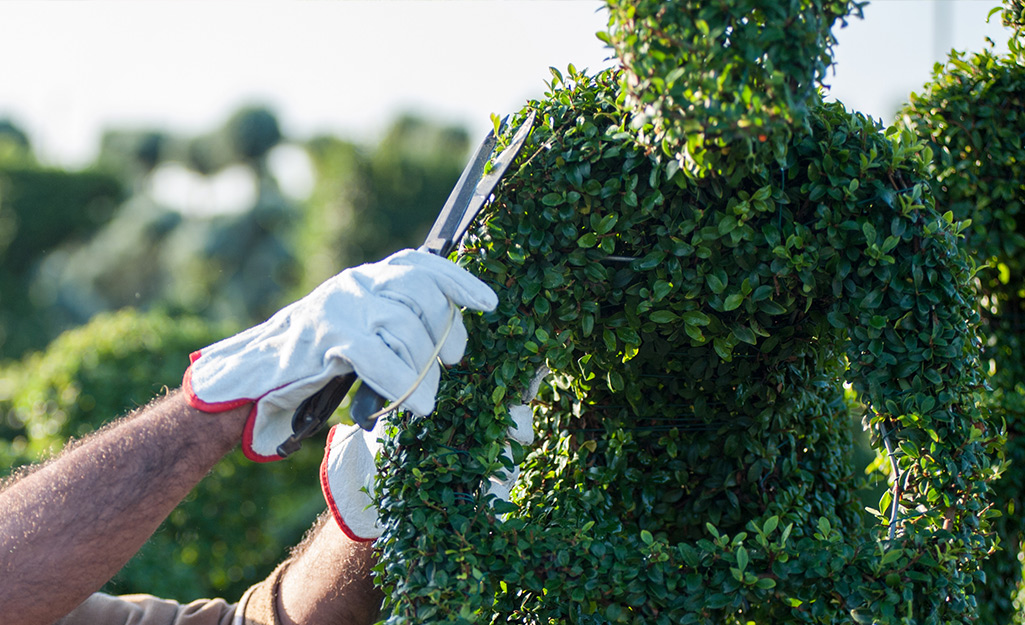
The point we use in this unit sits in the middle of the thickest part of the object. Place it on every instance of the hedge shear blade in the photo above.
(472, 191)
(468, 197)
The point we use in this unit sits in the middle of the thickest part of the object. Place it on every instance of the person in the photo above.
(68, 525)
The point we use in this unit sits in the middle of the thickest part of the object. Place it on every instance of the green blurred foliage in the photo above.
(1013, 15)
(246, 137)
(42, 209)
(234, 527)
(972, 116)
(224, 266)
(14, 143)
(76, 246)
(130, 155)
(370, 203)
(252, 132)
(234, 266)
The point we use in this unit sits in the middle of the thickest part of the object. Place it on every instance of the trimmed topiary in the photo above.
(693, 456)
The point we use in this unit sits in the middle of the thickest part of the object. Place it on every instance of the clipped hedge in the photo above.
(972, 116)
(693, 458)
(234, 527)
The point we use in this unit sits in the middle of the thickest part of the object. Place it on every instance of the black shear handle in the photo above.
(313, 413)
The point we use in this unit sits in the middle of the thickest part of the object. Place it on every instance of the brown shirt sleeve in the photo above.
(101, 609)
(257, 607)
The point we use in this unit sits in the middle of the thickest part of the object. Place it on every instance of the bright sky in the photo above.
(68, 69)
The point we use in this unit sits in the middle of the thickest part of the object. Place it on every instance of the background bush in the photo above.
(972, 116)
(233, 527)
(40, 210)
(78, 246)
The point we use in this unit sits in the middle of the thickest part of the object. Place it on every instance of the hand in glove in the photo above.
(381, 320)
(349, 470)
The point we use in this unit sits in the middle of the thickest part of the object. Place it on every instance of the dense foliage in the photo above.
(693, 461)
(972, 116)
(233, 528)
(717, 84)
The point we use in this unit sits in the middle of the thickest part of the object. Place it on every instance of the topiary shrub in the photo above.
(971, 116)
(716, 83)
(234, 527)
(693, 456)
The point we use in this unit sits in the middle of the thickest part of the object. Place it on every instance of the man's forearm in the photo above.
(328, 580)
(68, 527)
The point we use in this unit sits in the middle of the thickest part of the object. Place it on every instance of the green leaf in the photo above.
(742, 558)
(553, 199)
(664, 316)
(715, 283)
(891, 556)
(873, 299)
(607, 223)
(695, 318)
(745, 335)
(763, 292)
(869, 231)
(733, 302)
(723, 349)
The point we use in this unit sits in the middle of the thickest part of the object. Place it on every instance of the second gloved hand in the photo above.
(349, 470)
(381, 320)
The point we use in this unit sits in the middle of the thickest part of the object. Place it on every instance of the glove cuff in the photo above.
(223, 406)
(349, 467)
(206, 406)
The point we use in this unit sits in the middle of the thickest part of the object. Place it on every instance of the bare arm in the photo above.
(68, 527)
(328, 580)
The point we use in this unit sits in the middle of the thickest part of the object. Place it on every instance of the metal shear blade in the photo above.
(473, 190)
(470, 194)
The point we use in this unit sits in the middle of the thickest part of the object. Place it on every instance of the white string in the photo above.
(423, 374)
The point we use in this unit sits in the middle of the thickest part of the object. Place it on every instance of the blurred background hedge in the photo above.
(105, 288)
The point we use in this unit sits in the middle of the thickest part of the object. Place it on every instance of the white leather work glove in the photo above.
(381, 320)
(349, 470)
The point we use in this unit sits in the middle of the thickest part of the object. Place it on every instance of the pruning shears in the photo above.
(468, 197)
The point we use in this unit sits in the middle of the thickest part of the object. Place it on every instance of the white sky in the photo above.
(68, 69)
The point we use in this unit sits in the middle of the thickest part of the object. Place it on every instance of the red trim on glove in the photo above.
(199, 404)
(224, 406)
(247, 441)
(325, 486)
